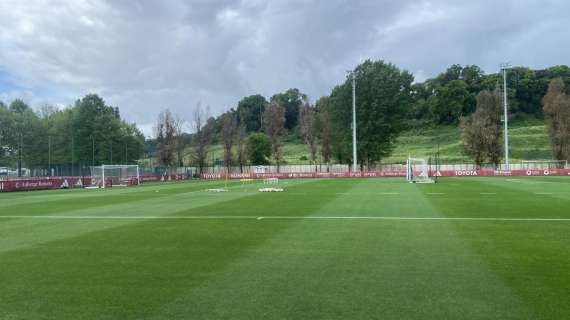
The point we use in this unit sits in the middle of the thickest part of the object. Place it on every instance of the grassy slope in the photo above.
(528, 141)
(295, 269)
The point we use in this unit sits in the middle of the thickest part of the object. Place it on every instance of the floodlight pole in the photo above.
(92, 151)
(504, 68)
(354, 157)
(49, 156)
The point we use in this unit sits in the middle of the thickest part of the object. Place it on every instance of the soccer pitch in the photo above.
(465, 248)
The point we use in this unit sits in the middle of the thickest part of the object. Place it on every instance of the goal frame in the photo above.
(115, 166)
(426, 177)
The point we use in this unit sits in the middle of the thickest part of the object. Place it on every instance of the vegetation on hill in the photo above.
(395, 117)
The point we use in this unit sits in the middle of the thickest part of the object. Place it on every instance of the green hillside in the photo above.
(528, 140)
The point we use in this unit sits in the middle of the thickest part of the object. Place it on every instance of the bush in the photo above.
(258, 149)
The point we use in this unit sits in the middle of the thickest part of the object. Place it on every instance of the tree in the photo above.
(241, 146)
(307, 129)
(481, 131)
(383, 98)
(274, 125)
(556, 105)
(229, 127)
(202, 135)
(18, 106)
(290, 100)
(166, 131)
(324, 128)
(181, 139)
(258, 149)
(448, 102)
(6, 135)
(250, 111)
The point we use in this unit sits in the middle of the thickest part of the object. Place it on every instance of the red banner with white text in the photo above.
(384, 174)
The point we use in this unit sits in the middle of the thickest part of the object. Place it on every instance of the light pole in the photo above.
(504, 67)
(92, 151)
(352, 76)
(49, 156)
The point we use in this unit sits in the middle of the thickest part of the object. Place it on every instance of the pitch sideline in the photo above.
(281, 218)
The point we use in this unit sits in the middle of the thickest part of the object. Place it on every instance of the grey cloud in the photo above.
(147, 55)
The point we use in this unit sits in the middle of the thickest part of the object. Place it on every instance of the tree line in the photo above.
(388, 102)
(388, 99)
(88, 133)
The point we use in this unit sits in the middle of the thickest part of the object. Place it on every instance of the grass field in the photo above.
(466, 248)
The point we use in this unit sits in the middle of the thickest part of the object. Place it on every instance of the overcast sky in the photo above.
(144, 56)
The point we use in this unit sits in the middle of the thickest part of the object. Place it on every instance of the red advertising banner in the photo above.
(45, 183)
(163, 177)
(384, 174)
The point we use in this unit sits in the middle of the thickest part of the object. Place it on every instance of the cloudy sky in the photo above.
(144, 56)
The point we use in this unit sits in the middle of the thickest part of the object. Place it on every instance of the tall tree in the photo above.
(556, 105)
(258, 148)
(166, 131)
(448, 102)
(307, 129)
(202, 134)
(229, 127)
(274, 126)
(481, 131)
(383, 98)
(250, 112)
(290, 100)
(241, 146)
(325, 128)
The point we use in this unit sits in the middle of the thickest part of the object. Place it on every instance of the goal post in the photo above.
(418, 170)
(105, 176)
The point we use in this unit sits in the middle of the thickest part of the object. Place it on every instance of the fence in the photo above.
(84, 171)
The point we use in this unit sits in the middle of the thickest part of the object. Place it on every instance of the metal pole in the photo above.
(20, 156)
(354, 157)
(72, 162)
(49, 156)
(92, 151)
(505, 66)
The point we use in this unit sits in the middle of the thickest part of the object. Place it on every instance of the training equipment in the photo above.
(106, 176)
(271, 190)
(271, 181)
(418, 171)
(247, 181)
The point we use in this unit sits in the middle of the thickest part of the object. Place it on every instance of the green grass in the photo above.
(528, 141)
(106, 261)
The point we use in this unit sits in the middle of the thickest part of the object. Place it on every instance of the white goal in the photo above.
(106, 176)
(418, 171)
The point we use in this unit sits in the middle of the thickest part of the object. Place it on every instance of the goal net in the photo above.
(418, 171)
(106, 176)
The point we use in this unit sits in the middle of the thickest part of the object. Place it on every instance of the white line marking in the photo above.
(543, 193)
(435, 193)
(488, 193)
(279, 218)
(389, 193)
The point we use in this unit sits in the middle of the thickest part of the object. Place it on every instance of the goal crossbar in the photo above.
(114, 175)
